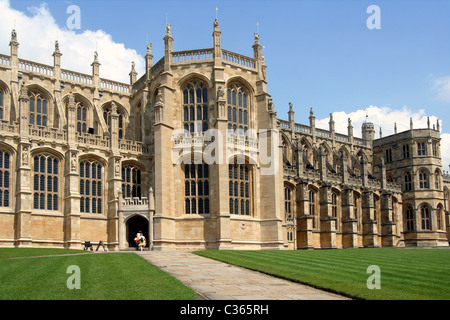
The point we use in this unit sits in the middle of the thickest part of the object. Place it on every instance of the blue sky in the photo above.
(319, 54)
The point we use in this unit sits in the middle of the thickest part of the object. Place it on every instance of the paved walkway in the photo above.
(221, 281)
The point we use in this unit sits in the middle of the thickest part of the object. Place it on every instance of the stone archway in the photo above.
(133, 226)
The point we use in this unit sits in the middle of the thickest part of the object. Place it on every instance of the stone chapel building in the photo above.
(193, 155)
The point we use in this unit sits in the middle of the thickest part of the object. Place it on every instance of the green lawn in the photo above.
(405, 273)
(103, 276)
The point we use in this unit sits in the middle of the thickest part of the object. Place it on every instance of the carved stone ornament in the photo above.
(159, 97)
(220, 93)
(25, 156)
(73, 162)
(117, 168)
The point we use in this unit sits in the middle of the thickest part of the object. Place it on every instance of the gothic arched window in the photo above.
(439, 219)
(288, 203)
(45, 181)
(409, 219)
(425, 217)
(81, 117)
(91, 182)
(196, 180)
(1, 105)
(5, 176)
(238, 111)
(423, 179)
(239, 189)
(195, 107)
(407, 181)
(313, 207)
(131, 182)
(107, 117)
(38, 109)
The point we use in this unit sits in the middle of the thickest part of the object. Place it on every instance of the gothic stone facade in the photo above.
(89, 159)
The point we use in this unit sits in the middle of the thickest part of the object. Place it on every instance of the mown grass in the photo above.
(104, 276)
(7, 253)
(405, 274)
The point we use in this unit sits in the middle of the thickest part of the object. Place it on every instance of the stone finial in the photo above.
(168, 27)
(395, 127)
(290, 106)
(57, 46)
(411, 123)
(216, 24)
(95, 56)
(13, 35)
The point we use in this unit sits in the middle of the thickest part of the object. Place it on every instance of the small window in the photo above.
(407, 181)
(388, 155)
(409, 219)
(421, 151)
(423, 179)
(425, 217)
(405, 151)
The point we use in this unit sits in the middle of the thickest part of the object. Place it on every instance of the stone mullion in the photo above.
(304, 219)
(387, 225)
(72, 215)
(349, 221)
(327, 221)
(368, 223)
(24, 199)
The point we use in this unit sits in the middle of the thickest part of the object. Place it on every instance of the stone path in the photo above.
(221, 281)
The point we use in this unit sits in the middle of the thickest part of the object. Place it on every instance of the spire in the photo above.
(257, 53)
(14, 44)
(57, 55)
(132, 73)
(331, 123)
(148, 59)
(96, 70)
(217, 51)
(168, 47)
(291, 117)
(350, 128)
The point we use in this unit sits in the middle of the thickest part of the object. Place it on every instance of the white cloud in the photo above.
(384, 118)
(37, 34)
(442, 86)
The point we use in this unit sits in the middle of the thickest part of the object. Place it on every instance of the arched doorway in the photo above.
(134, 225)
